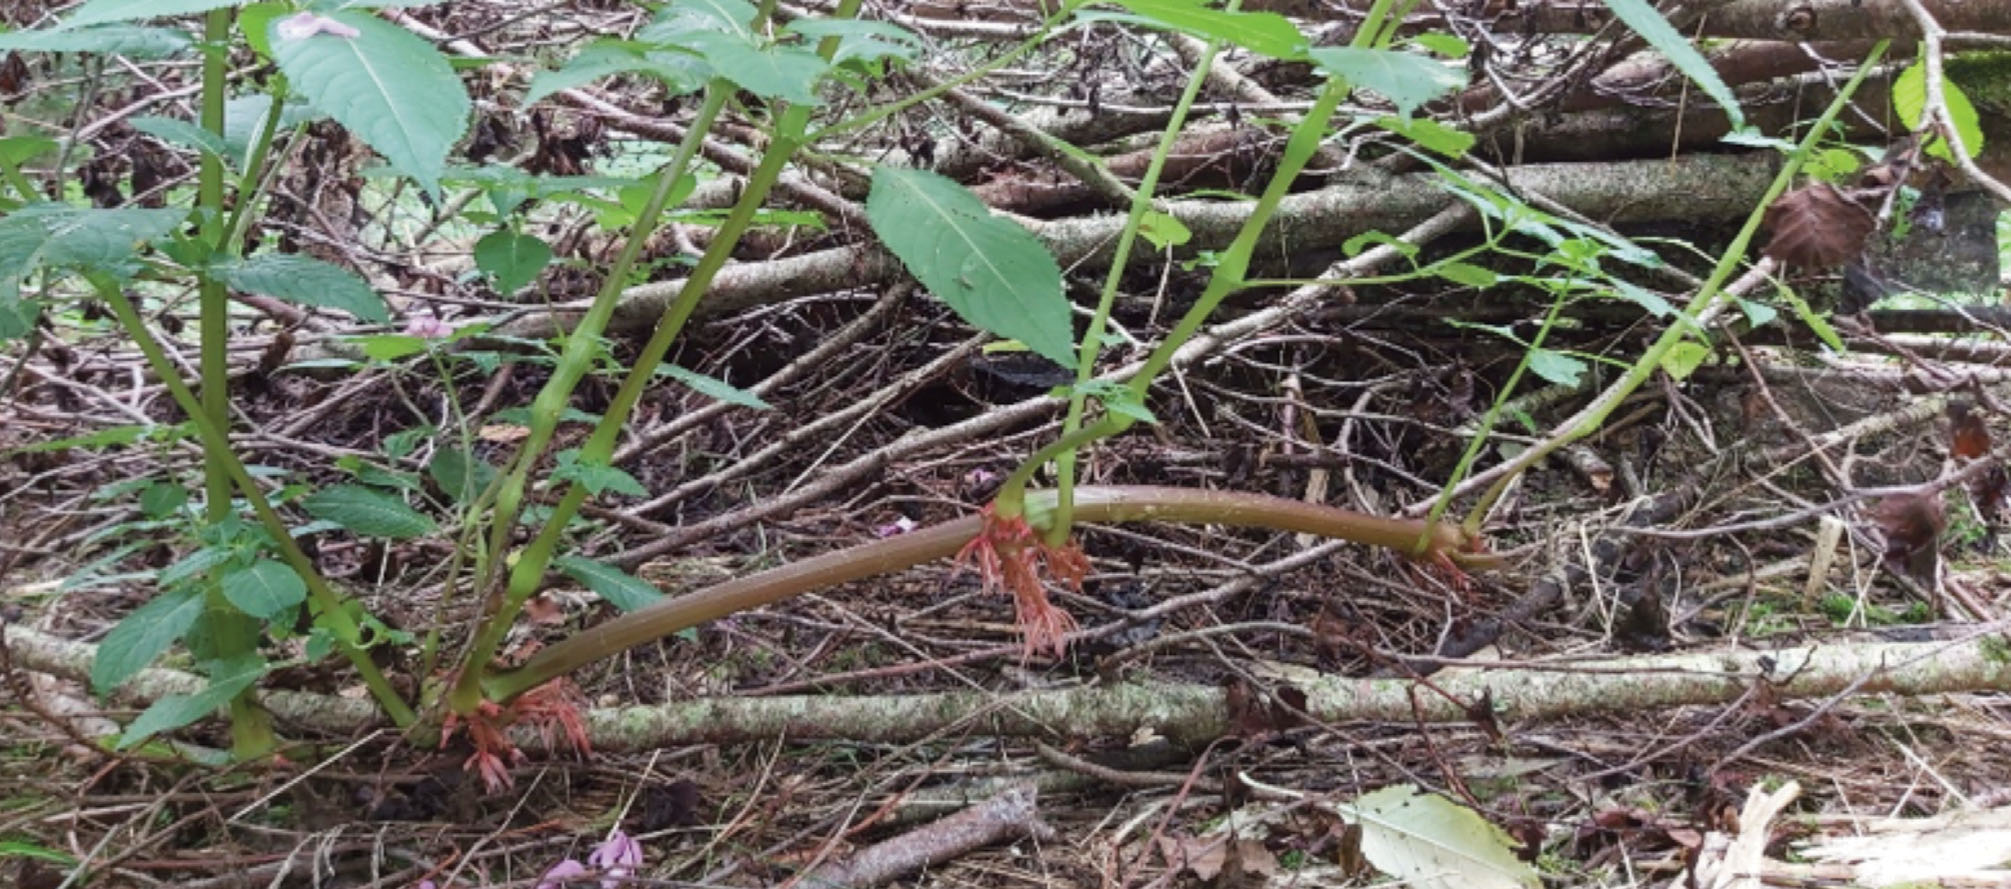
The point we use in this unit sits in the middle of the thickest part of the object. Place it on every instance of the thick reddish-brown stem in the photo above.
(1412, 537)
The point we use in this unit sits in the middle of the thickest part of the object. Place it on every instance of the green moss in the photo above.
(1764, 618)
(1995, 649)
(1840, 609)
(1985, 77)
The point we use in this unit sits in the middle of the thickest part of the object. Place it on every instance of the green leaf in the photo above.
(515, 259)
(227, 679)
(18, 150)
(860, 40)
(58, 235)
(126, 40)
(244, 117)
(367, 511)
(622, 590)
(1406, 79)
(1684, 358)
(1655, 303)
(596, 477)
(1758, 314)
(1556, 367)
(1267, 33)
(264, 589)
(98, 12)
(390, 88)
(1909, 95)
(1465, 273)
(1835, 164)
(991, 271)
(255, 20)
(391, 346)
(182, 133)
(1355, 245)
(326, 5)
(194, 565)
(679, 72)
(1815, 321)
(161, 499)
(521, 416)
(304, 280)
(459, 473)
(106, 437)
(678, 20)
(109, 436)
(771, 72)
(405, 441)
(713, 387)
(1909, 101)
(17, 315)
(1429, 842)
(718, 30)
(320, 643)
(377, 476)
(143, 635)
(1163, 229)
(1641, 16)
(1444, 44)
(1119, 399)
(25, 849)
(1429, 134)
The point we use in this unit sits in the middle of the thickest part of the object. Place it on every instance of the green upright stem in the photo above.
(1227, 277)
(216, 441)
(254, 168)
(860, 121)
(233, 631)
(578, 356)
(528, 572)
(1479, 441)
(1594, 415)
(1092, 339)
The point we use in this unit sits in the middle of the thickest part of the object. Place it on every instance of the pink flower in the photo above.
(560, 873)
(307, 24)
(896, 527)
(428, 327)
(617, 858)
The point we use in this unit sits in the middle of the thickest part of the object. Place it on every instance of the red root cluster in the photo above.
(553, 709)
(1009, 554)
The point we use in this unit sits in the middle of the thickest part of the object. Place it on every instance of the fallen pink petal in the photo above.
(565, 870)
(617, 857)
(898, 526)
(428, 327)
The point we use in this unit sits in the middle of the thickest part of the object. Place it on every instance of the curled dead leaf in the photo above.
(1818, 226)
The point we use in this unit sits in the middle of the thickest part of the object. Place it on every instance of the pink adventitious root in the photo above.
(1009, 554)
(553, 709)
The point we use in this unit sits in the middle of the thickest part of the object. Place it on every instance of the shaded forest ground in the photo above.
(887, 414)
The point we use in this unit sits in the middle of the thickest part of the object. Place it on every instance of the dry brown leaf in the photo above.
(1207, 857)
(503, 433)
(544, 609)
(1817, 226)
